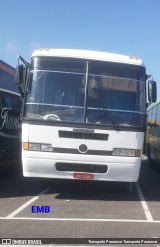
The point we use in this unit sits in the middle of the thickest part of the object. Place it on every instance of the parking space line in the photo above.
(18, 210)
(81, 220)
(144, 204)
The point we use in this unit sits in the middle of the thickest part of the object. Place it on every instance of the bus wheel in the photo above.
(130, 187)
(150, 161)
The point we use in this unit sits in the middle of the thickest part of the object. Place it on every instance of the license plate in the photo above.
(83, 176)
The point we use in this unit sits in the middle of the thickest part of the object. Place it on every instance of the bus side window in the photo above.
(153, 118)
(13, 102)
(1, 102)
(149, 118)
(158, 116)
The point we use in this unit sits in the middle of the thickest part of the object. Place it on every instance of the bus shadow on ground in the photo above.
(97, 190)
(149, 181)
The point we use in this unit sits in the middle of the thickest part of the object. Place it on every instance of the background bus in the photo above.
(7, 77)
(9, 116)
(153, 133)
(84, 115)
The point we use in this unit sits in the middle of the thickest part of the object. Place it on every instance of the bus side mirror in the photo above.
(152, 91)
(20, 70)
(19, 74)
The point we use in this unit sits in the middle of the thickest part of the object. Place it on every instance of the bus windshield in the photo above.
(91, 92)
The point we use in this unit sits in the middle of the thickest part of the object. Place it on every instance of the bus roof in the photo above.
(7, 68)
(88, 54)
(153, 105)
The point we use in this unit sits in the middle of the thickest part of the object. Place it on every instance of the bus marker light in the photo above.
(83, 176)
(25, 145)
(137, 152)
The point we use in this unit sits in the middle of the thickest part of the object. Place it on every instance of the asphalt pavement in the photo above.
(80, 211)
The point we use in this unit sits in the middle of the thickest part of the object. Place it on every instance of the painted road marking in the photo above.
(142, 200)
(18, 210)
(80, 219)
(144, 204)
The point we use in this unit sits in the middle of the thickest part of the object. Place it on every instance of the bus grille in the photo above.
(82, 135)
(68, 167)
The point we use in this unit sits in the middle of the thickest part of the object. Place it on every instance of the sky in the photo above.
(118, 26)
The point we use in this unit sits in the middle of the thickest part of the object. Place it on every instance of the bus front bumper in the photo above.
(124, 169)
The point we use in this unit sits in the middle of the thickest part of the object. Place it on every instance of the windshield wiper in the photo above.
(106, 112)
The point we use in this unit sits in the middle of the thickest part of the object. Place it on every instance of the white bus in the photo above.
(83, 114)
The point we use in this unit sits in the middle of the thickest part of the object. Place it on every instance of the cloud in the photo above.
(34, 46)
(11, 47)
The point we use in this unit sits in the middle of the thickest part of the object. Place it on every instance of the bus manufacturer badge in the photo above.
(83, 148)
(83, 130)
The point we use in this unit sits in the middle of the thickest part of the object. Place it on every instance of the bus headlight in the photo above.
(34, 146)
(126, 152)
(39, 147)
(46, 148)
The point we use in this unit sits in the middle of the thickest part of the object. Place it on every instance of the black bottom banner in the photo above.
(79, 241)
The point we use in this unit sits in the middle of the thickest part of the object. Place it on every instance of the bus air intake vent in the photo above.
(82, 135)
(68, 167)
